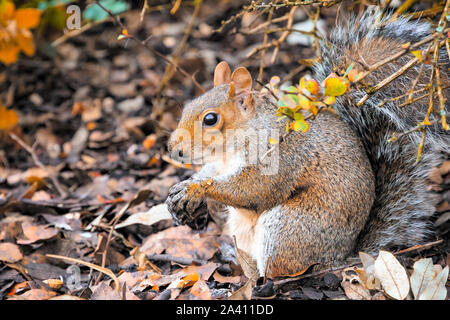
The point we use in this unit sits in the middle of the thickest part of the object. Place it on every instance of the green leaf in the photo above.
(281, 102)
(291, 89)
(53, 3)
(96, 13)
(292, 101)
(349, 69)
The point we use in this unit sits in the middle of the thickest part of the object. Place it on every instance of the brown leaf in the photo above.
(66, 297)
(355, 291)
(247, 263)
(182, 242)
(201, 290)
(223, 279)
(205, 271)
(103, 291)
(34, 232)
(34, 294)
(10, 252)
(245, 292)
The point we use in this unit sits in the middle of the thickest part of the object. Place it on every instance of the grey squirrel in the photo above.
(341, 187)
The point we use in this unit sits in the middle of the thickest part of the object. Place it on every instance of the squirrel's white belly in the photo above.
(250, 229)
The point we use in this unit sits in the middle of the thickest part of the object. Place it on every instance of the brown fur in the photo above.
(320, 198)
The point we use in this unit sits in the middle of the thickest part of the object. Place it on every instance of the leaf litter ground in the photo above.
(87, 157)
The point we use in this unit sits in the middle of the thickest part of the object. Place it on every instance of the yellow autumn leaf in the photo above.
(28, 18)
(329, 100)
(312, 86)
(335, 87)
(417, 54)
(8, 118)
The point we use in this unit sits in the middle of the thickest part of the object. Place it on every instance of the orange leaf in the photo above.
(312, 86)
(18, 286)
(149, 141)
(8, 118)
(28, 18)
(352, 75)
(25, 41)
(9, 53)
(103, 200)
(188, 280)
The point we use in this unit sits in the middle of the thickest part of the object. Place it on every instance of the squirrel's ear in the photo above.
(242, 80)
(222, 74)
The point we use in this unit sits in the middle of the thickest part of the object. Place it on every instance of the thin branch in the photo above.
(322, 272)
(155, 52)
(36, 160)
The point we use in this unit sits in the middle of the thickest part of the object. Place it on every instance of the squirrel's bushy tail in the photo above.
(403, 206)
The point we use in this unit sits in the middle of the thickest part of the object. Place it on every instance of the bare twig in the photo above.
(322, 272)
(36, 160)
(153, 51)
(90, 265)
(168, 73)
(179, 260)
(145, 8)
(263, 52)
(286, 3)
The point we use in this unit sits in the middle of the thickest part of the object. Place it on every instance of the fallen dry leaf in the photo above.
(10, 252)
(392, 275)
(103, 291)
(34, 294)
(247, 263)
(34, 232)
(223, 279)
(244, 292)
(201, 290)
(204, 271)
(435, 289)
(66, 297)
(355, 291)
(367, 274)
(54, 283)
(155, 214)
(423, 272)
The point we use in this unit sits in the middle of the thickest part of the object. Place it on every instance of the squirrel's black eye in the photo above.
(210, 119)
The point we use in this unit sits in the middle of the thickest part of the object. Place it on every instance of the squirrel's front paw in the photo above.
(186, 205)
